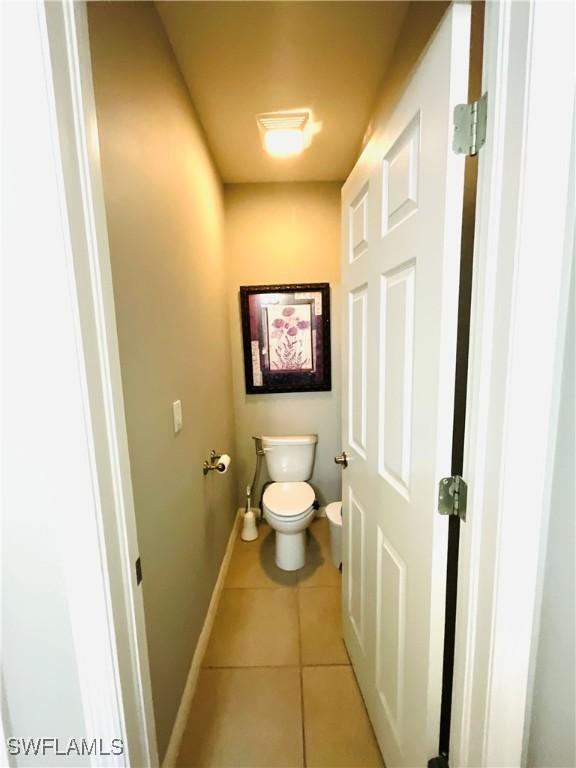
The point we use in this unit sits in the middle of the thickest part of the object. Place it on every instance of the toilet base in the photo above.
(290, 550)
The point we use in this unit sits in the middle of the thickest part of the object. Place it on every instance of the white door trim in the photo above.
(524, 240)
(68, 66)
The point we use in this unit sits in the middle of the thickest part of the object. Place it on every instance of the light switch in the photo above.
(177, 414)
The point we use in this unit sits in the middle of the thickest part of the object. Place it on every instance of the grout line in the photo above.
(255, 666)
(267, 586)
(370, 724)
(288, 586)
(301, 667)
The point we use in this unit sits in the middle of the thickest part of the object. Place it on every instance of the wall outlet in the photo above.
(177, 414)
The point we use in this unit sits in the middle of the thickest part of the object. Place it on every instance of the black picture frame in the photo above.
(286, 338)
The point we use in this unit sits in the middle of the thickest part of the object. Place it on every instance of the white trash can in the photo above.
(334, 515)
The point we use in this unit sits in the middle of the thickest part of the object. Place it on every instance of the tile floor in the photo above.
(276, 689)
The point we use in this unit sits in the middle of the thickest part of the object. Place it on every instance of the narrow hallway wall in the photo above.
(165, 218)
(418, 27)
(285, 233)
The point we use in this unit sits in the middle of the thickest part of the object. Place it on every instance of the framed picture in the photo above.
(286, 335)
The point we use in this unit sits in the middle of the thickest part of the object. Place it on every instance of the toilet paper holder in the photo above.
(217, 461)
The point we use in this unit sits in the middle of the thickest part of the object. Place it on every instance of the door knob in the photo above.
(342, 460)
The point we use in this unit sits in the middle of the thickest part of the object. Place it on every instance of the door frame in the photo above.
(524, 246)
(70, 95)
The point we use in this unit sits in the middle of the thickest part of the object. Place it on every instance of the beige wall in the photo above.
(165, 220)
(419, 24)
(285, 233)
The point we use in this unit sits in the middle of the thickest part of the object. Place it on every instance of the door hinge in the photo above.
(452, 493)
(438, 762)
(470, 126)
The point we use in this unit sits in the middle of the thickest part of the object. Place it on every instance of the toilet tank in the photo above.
(290, 458)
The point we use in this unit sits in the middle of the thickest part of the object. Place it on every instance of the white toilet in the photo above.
(289, 500)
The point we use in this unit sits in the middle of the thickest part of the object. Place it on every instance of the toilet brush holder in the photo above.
(249, 530)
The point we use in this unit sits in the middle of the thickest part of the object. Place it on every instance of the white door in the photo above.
(402, 210)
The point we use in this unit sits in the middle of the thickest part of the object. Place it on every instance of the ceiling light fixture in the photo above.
(285, 134)
(284, 143)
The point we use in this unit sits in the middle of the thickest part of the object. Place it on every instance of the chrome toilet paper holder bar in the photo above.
(213, 463)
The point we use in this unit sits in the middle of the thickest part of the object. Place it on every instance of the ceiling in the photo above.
(244, 58)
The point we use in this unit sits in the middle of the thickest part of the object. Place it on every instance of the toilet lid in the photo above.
(289, 499)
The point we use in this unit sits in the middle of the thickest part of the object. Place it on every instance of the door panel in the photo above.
(356, 588)
(391, 629)
(358, 343)
(396, 382)
(358, 225)
(400, 177)
(401, 217)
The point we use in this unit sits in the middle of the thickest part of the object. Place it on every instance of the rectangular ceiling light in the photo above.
(284, 133)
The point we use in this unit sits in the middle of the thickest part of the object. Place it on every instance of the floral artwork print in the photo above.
(289, 337)
(286, 338)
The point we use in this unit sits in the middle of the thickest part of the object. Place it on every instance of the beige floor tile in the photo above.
(321, 626)
(244, 718)
(319, 570)
(255, 628)
(336, 727)
(252, 563)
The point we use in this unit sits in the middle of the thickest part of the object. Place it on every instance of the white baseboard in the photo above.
(196, 664)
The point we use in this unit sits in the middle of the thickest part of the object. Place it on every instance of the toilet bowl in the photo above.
(288, 502)
(289, 509)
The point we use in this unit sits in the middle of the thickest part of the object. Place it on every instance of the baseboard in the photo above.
(196, 664)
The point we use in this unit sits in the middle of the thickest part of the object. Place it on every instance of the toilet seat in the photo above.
(288, 500)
